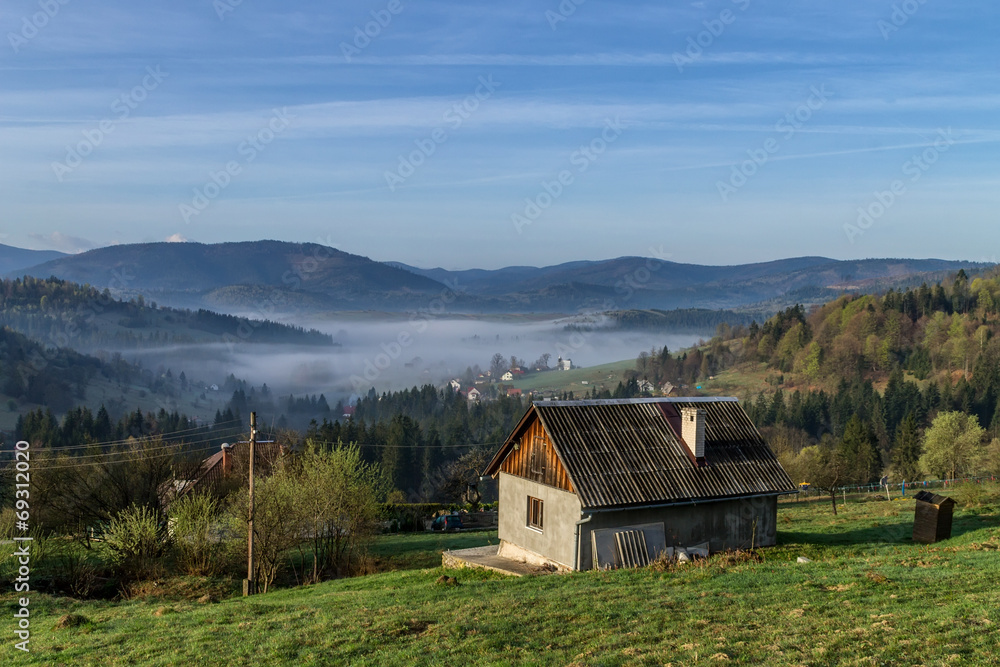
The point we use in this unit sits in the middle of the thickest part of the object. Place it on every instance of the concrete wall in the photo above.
(724, 525)
(561, 511)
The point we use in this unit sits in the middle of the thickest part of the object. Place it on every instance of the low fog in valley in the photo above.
(393, 354)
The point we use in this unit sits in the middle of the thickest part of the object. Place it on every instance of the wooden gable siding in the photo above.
(535, 459)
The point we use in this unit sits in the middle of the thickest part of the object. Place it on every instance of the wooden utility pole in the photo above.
(249, 585)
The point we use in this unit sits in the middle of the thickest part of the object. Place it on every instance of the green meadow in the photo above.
(868, 596)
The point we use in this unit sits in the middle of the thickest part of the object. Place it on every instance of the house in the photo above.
(513, 391)
(225, 469)
(646, 387)
(580, 481)
(473, 394)
(456, 384)
(507, 377)
(564, 364)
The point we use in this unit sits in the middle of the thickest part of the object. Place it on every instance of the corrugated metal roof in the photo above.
(624, 453)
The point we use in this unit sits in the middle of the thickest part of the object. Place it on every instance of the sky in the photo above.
(483, 134)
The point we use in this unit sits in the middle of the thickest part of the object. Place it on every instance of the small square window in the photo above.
(534, 513)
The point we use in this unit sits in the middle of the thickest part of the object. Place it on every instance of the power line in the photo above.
(128, 454)
(423, 446)
(180, 448)
(156, 435)
(97, 463)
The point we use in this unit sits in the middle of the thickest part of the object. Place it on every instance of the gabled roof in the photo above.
(213, 471)
(626, 453)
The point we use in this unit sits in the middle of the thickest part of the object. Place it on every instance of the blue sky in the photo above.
(712, 132)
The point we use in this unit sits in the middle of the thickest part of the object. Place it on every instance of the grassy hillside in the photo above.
(604, 376)
(870, 596)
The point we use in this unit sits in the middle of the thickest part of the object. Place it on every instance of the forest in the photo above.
(65, 314)
(863, 380)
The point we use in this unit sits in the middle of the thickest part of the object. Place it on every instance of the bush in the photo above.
(400, 517)
(136, 541)
(197, 544)
(971, 494)
(74, 573)
(7, 522)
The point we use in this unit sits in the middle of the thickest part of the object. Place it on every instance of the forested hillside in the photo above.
(65, 314)
(58, 378)
(858, 387)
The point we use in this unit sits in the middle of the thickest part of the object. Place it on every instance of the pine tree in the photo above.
(906, 450)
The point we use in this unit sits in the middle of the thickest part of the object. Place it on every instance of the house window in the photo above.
(534, 513)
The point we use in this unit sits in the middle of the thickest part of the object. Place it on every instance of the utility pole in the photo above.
(249, 585)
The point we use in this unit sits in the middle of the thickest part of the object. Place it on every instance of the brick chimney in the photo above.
(227, 459)
(693, 432)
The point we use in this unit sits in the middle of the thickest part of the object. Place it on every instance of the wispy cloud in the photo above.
(62, 242)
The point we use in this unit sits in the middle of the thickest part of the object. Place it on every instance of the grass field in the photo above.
(869, 597)
(604, 376)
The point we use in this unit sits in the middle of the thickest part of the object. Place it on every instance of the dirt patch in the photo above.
(413, 627)
(180, 588)
(71, 621)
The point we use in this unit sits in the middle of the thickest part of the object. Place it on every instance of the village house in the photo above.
(507, 377)
(225, 470)
(610, 483)
(473, 394)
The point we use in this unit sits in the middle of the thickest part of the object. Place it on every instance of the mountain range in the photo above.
(14, 259)
(276, 276)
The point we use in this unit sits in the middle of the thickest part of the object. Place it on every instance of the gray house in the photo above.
(612, 483)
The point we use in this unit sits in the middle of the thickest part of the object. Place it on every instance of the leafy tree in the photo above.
(325, 504)
(338, 502)
(823, 467)
(75, 492)
(276, 525)
(952, 445)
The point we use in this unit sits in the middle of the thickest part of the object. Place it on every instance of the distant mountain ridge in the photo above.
(275, 276)
(185, 274)
(636, 282)
(14, 259)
